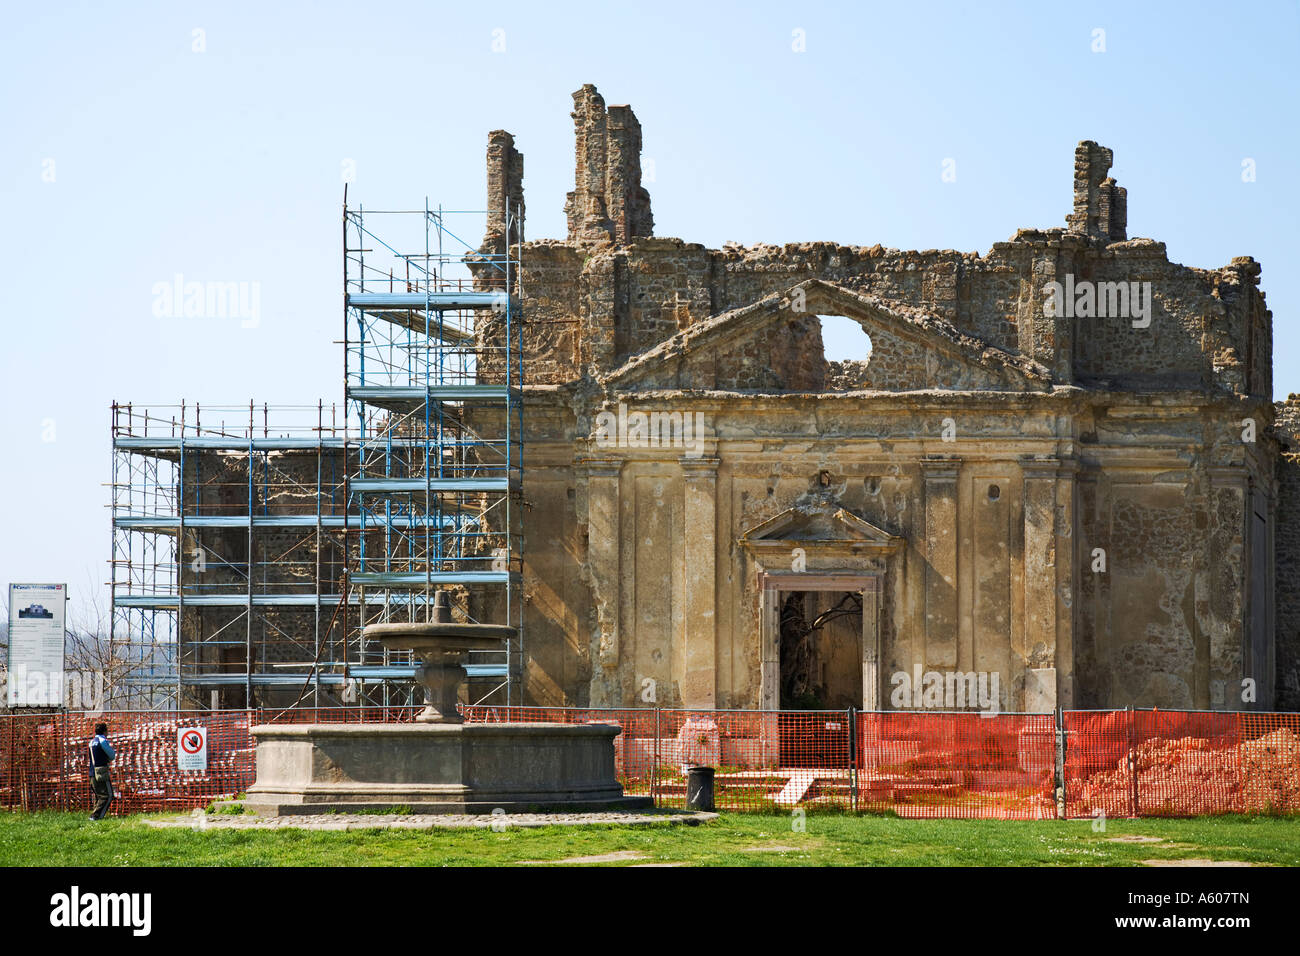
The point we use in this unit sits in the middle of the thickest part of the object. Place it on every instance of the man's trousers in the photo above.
(102, 786)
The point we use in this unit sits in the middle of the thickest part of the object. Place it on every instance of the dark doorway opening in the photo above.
(821, 669)
(821, 650)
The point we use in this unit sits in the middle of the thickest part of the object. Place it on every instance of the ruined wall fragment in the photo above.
(505, 192)
(608, 202)
(1100, 204)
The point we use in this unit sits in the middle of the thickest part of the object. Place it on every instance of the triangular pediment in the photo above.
(769, 346)
(826, 524)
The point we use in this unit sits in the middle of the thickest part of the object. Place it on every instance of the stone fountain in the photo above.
(439, 764)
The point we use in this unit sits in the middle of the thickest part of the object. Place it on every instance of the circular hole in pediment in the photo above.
(844, 340)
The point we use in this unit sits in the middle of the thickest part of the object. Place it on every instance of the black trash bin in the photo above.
(699, 788)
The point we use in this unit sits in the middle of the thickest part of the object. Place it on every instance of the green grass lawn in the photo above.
(57, 839)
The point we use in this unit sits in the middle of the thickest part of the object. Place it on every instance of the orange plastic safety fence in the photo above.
(1177, 763)
(999, 766)
(1120, 763)
(922, 765)
(767, 760)
(44, 760)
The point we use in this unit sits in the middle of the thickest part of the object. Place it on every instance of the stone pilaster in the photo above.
(941, 561)
(769, 630)
(603, 563)
(1229, 533)
(1042, 581)
(1067, 579)
(871, 696)
(698, 682)
(1047, 336)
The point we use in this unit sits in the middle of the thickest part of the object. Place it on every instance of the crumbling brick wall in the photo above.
(1207, 328)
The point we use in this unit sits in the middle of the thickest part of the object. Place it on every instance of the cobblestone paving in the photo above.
(199, 820)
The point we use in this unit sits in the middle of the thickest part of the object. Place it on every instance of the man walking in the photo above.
(101, 784)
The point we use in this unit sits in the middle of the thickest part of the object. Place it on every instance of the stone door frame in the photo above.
(773, 583)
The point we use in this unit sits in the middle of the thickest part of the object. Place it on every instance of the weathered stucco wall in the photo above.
(1159, 623)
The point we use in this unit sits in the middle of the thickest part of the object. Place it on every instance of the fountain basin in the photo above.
(437, 768)
(439, 764)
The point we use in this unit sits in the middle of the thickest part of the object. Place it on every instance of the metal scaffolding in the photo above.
(433, 369)
(252, 544)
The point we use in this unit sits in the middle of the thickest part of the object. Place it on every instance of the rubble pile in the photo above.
(1197, 775)
(1270, 772)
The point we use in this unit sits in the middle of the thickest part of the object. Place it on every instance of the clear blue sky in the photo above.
(225, 165)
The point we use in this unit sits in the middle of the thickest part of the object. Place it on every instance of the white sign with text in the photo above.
(192, 748)
(36, 629)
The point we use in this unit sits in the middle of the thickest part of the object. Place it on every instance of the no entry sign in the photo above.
(192, 748)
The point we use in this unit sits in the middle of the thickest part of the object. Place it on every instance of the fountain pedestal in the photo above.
(440, 649)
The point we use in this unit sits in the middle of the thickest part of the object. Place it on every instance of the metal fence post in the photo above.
(1132, 761)
(853, 760)
(1060, 763)
(654, 766)
(62, 737)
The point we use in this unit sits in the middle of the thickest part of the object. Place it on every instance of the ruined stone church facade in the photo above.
(1056, 465)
